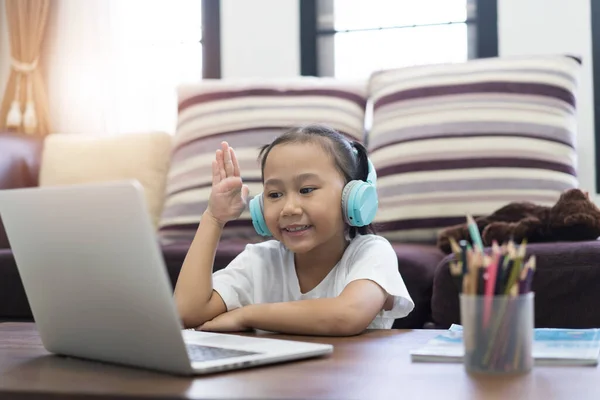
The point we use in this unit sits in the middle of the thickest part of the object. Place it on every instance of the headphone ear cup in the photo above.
(359, 203)
(346, 212)
(256, 213)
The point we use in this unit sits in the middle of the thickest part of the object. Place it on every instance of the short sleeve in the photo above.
(376, 260)
(235, 283)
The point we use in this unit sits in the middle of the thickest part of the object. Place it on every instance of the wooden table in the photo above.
(375, 365)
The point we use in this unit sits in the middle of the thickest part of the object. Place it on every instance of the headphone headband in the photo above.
(372, 176)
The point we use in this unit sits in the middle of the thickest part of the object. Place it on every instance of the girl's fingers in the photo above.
(221, 163)
(236, 165)
(227, 159)
(216, 175)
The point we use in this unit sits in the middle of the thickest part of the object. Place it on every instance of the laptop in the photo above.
(98, 288)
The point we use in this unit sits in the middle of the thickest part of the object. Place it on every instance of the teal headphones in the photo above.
(359, 204)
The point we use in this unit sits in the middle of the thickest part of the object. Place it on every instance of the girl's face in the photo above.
(303, 197)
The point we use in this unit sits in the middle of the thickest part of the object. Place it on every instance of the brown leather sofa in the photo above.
(566, 283)
(19, 167)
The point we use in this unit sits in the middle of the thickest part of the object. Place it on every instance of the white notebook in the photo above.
(551, 346)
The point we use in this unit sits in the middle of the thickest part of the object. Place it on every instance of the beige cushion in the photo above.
(471, 137)
(81, 158)
(247, 113)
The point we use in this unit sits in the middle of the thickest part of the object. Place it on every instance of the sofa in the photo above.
(20, 161)
(445, 140)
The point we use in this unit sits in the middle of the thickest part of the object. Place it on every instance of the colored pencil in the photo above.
(474, 232)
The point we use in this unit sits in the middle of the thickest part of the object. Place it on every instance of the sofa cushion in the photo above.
(247, 114)
(174, 255)
(417, 264)
(469, 138)
(81, 158)
(565, 285)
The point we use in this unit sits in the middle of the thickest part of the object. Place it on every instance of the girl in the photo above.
(320, 275)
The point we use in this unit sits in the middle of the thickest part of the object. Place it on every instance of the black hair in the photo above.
(350, 156)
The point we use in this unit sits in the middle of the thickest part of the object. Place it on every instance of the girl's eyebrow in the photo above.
(297, 179)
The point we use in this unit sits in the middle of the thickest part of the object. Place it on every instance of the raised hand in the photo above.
(228, 196)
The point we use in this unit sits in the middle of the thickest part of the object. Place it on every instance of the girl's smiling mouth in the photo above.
(296, 229)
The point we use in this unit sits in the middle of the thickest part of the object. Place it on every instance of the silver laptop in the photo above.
(98, 287)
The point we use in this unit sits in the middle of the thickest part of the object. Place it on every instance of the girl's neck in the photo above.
(314, 266)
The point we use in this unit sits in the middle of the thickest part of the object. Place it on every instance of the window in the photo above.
(151, 53)
(113, 66)
(353, 38)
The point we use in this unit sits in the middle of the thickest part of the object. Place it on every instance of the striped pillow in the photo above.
(247, 114)
(452, 139)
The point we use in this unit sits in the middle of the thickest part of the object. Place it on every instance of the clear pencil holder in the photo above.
(498, 333)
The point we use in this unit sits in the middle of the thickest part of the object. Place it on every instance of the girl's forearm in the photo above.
(321, 317)
(194, 290)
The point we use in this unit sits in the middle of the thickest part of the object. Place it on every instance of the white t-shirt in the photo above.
(265, 273)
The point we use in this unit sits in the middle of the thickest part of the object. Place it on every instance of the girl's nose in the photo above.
(291, 206)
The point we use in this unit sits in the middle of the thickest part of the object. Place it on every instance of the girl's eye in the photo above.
(274, 195)
(306, 190)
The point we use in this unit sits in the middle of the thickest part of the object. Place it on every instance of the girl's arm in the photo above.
(195, 298)
(348, 314)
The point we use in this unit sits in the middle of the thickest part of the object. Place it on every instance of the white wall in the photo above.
(4, 49)
(260, 38)
(556, 26)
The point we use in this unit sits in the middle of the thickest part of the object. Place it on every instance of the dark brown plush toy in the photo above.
(573, 218)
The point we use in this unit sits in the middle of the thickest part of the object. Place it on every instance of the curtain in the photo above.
(24, 107)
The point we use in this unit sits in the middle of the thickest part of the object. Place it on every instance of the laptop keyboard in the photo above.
(198, 352)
